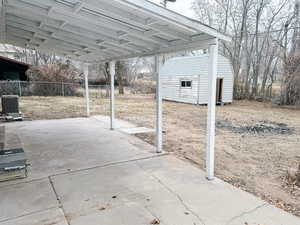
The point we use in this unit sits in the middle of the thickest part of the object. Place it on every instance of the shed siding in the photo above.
(194, 69)
(171, 86)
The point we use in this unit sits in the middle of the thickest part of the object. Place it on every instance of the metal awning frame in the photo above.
(110, 30)
(101, 30)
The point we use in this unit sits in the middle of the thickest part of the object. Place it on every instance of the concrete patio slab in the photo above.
(185, 198)
(124, 126)
(137, 130)
(53, 216)
(90, 175)
(129, 213)
(57, 146)
(215, 202)
(265, 215)
(105, 120)
(26, 198)
(114, 187)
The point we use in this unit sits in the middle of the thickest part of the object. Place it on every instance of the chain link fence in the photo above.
(54, 100)
(50, 89)
(26, 88)
(51, 100)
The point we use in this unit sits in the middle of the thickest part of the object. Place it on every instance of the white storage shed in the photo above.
(185, 79)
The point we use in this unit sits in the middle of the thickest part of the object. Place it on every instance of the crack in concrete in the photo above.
(246, 213)
(187, 208)
(58, 200)
(84, 169)
(181, 201)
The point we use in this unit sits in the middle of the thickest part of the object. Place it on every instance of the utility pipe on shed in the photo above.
(158, 107)
(86, 81)
(211, 111)
(112, 71)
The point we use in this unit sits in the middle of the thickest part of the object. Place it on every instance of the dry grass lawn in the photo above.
(254, 162)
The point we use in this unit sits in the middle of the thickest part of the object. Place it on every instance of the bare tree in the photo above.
(290, 87)
(103, 68)
(255, 50)
(35, 57)
(121, 71)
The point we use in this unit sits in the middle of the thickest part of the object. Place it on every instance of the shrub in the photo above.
(143, 87)
(55, 79)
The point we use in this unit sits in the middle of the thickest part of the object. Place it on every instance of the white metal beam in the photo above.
(26, 13)
(169, 16)
(88, 36)
(200, 42)
(35, 43)
(113, 10)
(164, 29)
(64, 13)
(108, 9)
(112, 71)
(39, 37)
(121, 28)
(211, 112)
(145, 8)
(158, 107)
(23, 43)
(73, 40)
(70, 32)
(66, 33)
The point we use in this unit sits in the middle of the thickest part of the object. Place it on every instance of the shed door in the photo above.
(219, 95)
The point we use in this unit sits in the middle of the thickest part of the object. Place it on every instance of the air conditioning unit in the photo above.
(10, 107)
(10, 104)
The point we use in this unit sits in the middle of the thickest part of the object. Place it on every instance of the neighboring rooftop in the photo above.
(11, 69)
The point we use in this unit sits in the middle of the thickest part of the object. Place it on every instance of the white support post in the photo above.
(112, 70)
(158, 108)
(211, 111)
(86, 81)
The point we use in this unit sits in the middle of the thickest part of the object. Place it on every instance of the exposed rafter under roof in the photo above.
(101, 30)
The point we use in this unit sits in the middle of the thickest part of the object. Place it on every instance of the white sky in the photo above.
(181, 6)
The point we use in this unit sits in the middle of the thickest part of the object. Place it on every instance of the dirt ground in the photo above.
(255, 162)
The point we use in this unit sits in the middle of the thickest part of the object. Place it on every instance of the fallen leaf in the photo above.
(155, 221)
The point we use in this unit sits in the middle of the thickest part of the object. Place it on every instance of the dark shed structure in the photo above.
(11, 69)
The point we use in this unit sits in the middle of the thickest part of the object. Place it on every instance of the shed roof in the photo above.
(192, 65)
(101, 30)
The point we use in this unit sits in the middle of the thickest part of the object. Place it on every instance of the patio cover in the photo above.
(109, 30)
(101, 30)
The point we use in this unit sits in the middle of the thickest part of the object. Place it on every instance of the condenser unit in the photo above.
(10, 107)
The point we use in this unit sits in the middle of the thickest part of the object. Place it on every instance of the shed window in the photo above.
(186, 83)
